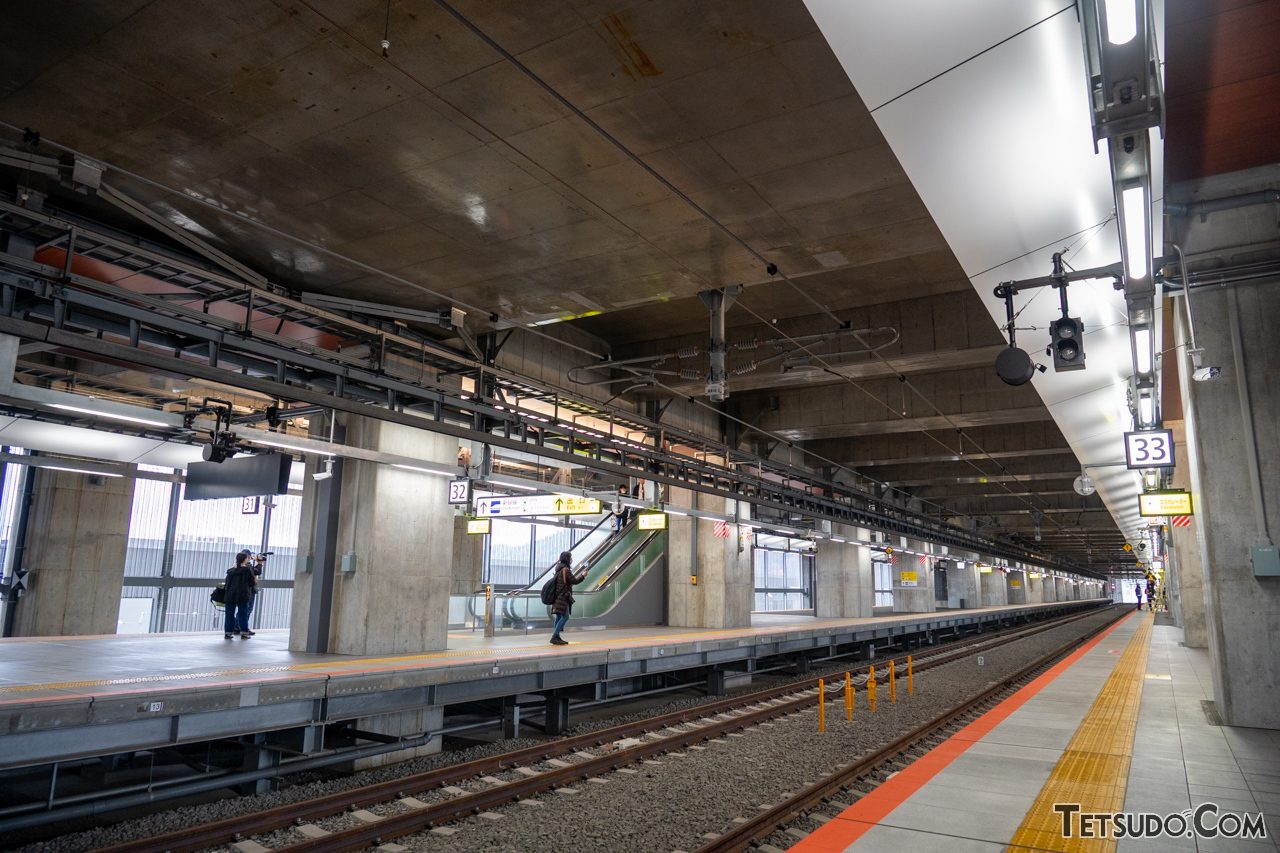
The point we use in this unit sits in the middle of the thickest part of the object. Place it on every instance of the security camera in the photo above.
(1199, 372)
(326, 474)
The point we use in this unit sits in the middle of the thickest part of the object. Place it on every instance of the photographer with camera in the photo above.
(257, 562)
(240, 587)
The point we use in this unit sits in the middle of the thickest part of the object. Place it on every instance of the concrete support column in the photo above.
(395, 538)
(76, 543)
(962, 583)
(843, 583)
(724, 592)
(1186, 572)
(1017, 593)
(468, 559)
(1048, 588)
(994, 590)
(913, 582)
(1061, 591)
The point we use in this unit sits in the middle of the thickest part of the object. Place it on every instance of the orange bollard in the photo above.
(911, 685)
(893, 688)
(848, 697)
(871, 688)
(822, 707)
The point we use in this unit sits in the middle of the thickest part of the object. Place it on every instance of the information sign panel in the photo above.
(907, 579)
(536, 505)
(652, 521)
(1149, 449)
(1167, 502)
(249, 505)
(478, 525)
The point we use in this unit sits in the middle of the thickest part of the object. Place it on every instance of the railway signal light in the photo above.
(1066, 343)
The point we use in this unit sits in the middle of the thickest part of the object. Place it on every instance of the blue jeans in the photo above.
(560, 623)
(237, 619)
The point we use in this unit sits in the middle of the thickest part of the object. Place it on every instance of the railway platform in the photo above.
(1119, 731)
(63, 698)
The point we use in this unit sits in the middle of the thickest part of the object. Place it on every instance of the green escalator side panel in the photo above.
(597, 605)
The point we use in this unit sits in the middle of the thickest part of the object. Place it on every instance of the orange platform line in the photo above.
(850, 825)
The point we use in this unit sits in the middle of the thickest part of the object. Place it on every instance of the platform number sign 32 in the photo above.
(1149, 449)
(459, 491)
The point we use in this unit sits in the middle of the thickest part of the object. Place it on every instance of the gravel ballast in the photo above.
(697, 793)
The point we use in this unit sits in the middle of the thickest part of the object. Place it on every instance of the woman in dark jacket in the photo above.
(239, 586)
(564, 596)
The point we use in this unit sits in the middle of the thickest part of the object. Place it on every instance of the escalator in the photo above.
(624, 585)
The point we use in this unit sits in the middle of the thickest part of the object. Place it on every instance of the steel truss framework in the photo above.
(214, 332)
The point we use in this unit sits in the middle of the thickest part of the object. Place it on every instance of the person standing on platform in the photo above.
(1151, 593)
(1137, 590)
(240, 586)
(564, 596)
(254, 563)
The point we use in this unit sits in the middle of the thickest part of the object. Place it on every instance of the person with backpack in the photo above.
(239, 588)
(566, 580)
(1137, 589)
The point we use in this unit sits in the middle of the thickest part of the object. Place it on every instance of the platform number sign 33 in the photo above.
(1149, 449)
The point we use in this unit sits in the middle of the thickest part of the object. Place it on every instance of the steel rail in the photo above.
(763, 825)
(245, 826)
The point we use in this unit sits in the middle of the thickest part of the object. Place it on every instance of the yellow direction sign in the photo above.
(1128, 547)
(907, 579)
(1168, 502)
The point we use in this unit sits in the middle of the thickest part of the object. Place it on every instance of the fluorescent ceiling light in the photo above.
(675, 512)
(292, 447)
(1142, 350)
(1134, 203)
(81, 471)
(421, 470)
(1122, 21)
(99, 414)
(1146, 410)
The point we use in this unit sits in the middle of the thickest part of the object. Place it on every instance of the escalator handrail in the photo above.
(622, 566)
(590, 559)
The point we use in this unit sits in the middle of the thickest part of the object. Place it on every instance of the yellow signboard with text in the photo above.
(1165, 503)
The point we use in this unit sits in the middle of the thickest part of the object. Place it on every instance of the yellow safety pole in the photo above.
(848, 696)
(871, 688)
(911, 684)
(822, 707)
(893, 689)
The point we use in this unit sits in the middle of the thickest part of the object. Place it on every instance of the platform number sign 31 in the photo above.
(1149, 449)
(459, 491)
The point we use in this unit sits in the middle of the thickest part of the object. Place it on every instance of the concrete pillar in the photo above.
(1048, 589)
(844, 585)
(1017, 581)
(993, 587)
(724, 592)
(1186, 571)
(397, 527)
(1035, 588)
(962, 583)
(76, 543)
(913, 583)
(468, 559)
(1061, 590)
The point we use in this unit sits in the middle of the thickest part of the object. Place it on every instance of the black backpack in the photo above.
(551, 587)
(219, 594)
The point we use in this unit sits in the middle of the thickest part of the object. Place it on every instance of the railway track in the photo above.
(618, 746)
(825, 797)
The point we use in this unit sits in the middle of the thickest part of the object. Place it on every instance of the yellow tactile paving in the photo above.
(1094, 769)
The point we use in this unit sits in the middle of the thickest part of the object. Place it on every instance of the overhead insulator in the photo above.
(688, 352)
(745, 368)
(690, 374)
(754, 343)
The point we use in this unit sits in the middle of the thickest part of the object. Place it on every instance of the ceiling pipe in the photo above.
(1201, 208)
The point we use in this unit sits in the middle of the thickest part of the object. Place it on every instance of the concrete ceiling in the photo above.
(446, 167)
